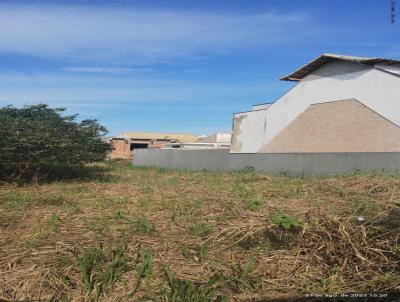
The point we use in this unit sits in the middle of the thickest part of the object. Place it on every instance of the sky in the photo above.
(176, 65)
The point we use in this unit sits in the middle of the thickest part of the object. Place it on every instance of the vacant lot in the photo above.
(158, 235)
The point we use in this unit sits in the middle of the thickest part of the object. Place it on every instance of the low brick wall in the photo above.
(294, 164)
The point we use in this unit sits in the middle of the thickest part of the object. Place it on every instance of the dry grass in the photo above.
(157, 235)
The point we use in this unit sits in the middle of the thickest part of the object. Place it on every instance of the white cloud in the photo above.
(112, 70)
(138, 35)
(19, 88)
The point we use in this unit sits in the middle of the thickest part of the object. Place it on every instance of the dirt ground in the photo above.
(146, 234)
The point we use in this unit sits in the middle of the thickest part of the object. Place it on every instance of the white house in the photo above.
(340, 104)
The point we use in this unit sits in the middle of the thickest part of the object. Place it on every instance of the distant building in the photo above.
(126, 142)
(218, 137)
(340, 104)
(212, 141)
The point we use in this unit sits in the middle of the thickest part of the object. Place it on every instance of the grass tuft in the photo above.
(201, 229)
(101, 268)
(181, 290)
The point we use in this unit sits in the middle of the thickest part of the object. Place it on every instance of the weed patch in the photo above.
(364, 207)
(101, 269)
(54, 200)
(54, 222)
(19, 200)
(142, 225)
(144, 271)
(240, 277)
(201, 229)
(181, 290)
(35, 239)
(215, 230)
(285, 221)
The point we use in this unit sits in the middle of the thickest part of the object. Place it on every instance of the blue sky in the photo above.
(176, 66)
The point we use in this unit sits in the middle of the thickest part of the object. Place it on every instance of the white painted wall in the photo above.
(334, 81)
(248, 131)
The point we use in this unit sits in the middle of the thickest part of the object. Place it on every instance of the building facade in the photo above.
(339, 104)
(126, 142)
(218, 140)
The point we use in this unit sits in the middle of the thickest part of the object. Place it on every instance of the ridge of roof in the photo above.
(324, 58)
(185, 137)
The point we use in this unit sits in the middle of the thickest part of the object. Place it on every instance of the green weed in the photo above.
(240, 277)
(148, 189)
(188, 291)
(54, 200)
(171, 181)
(245, 191)
(54, 222)
(100, 269)
(142, 225)
(72, 208)
(19, 201)
(144, 271)
(6, 219)
(285, 233)
(144, 202)
(88, 265)
(254, 203)
(98, 225)
(117, 266)
(384, 279)
(104, 202)
(35, 239)
(396, 249)
(201, 229)
(119, 215)
(254, 241)
(285, 221)
(363, 206)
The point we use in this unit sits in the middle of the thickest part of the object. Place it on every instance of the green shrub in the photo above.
(39, 142)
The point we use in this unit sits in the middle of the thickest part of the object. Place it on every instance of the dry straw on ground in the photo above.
(157, 235)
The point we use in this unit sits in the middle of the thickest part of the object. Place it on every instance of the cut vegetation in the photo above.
(144, 234)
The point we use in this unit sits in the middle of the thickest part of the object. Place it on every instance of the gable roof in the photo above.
(182, 137)
(327, 57)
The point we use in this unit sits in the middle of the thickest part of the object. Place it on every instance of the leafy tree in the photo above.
(38, 141)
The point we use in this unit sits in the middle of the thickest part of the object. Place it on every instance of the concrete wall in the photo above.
(374, 88)
(294, 164)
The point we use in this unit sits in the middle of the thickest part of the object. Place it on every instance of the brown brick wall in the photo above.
(120, 149)
(341, 126)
